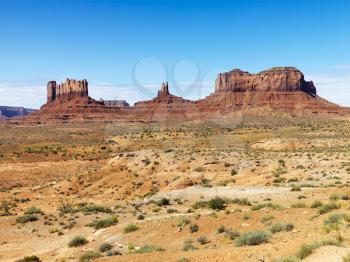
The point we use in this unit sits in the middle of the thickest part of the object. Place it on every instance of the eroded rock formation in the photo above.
(67, 90)
(281, 89)
(164, 90)
(275, 79)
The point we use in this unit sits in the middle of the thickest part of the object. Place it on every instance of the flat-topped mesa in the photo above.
(164, 90)
(68, 90)
(285, 79)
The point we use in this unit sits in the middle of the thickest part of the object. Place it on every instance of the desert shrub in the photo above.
(281, 227)
(334, 221)
(172, 210)
(104, 247)
(77, 241)
(140, 217)
(267, 218)
(92, 208)
(307, 249)
(6, 208)
(202, 240)
(325, 208)
(148, 249)
(188, 245)
(221, 229)
(231, 234)
(216, 203)
(183, 221)
(29, 259)
(316, 204)
(163, 202)
(199, 204)
(103, 223)
(299, 205)
(130, 228)
(194, 228)
(295, 189)
(241, 201)
(234, 172)
(66, 208)
(26, 218)
(252, 238)
(33, 210)
(89, 255)
(267, 205)
(334, 197)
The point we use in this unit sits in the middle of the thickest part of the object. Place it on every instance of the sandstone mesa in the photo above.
(282, 89)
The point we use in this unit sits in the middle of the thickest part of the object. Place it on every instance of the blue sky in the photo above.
(127, 48)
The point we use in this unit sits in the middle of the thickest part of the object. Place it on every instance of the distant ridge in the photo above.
(13, 111)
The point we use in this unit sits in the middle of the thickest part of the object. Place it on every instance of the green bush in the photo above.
(26, 218)
(252, 238)
(89, 255)
(103, 223)
(217, 203)
(130, 228)
(77, 241)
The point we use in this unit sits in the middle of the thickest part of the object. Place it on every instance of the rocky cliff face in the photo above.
(285, 79)
(68, 90)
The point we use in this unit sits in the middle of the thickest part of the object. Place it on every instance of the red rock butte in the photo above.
(282, 89)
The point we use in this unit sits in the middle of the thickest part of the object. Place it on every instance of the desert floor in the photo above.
(189, 192)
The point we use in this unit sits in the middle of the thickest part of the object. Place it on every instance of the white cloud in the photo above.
(29, 95)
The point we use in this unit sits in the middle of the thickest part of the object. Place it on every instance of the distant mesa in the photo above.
(282, 89)
(285, 79)
(12, 111)
(115, 103)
